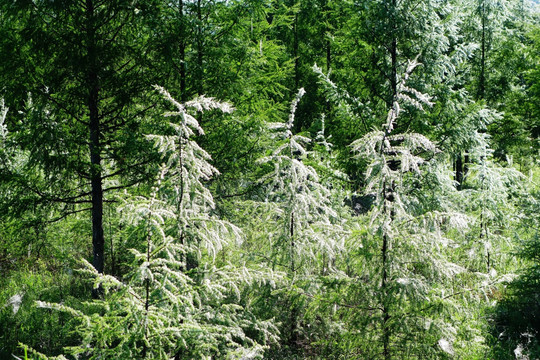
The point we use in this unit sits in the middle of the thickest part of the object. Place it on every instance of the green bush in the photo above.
(22, 322)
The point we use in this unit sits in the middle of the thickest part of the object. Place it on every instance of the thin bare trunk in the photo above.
(98, 241)
(482, 79)
(183, 94)
(200, 72)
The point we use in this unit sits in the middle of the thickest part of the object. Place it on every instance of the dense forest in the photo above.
(277, 179)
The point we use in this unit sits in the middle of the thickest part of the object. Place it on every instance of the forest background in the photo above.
(280, 179)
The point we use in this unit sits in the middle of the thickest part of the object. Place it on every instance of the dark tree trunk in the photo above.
(200, 72)
(482, 79)
(459, 171)
(466, 165)
(295, 54)
(326, 10)
(389, 196)
(328, 51)
(393, 74)
(183, 94)
(98, 241)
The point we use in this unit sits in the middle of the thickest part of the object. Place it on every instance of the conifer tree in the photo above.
(515, 321)
(294, 230)
(496, 29)
(24, 216)
(491, 193)
(296, 189)
(84, 64)
(165, 307)
(243, 62)
(397, 282)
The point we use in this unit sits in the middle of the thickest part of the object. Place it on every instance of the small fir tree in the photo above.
(491, 193)
(397, 283)
(305, 232)
(175, 302)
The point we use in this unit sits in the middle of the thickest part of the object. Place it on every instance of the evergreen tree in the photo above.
(498, 65)
(515, 322)
(274, 258)
(395, 282)
(301, 228)
(165, 307)
(492, 192)
(86, 65)
(242, 62)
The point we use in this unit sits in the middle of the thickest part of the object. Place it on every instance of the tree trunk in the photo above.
(459, 171)
(326, 10)
(295, 54)
(482, 79)
(183, 94)
(98, 242)
(200, 72)
(393, 75)
(293, 318)
(389, 197)
(385, 311)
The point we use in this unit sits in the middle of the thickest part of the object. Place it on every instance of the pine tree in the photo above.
(515, 320)
(303, 202)
(175, 302)
(492, 193)
(300, 225)
(397, 280)
(243, 62)
(85, 66)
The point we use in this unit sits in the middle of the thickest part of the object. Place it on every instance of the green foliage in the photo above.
(406, 266)
(515, 319)
(300, 232)
(377, 222)
(174, 301)
(21, 321)
(302, 203)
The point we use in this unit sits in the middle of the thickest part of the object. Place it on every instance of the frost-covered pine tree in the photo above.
(490, 195)
(175, 302)
(188, 168)
(397, 281)
(303, 230)
(302, 203)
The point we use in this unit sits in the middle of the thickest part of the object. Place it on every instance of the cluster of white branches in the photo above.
(162, 308)
(309, 225)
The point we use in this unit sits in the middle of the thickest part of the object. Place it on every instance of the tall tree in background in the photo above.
(241, 62)
(371, 47)
(512, 86)
(497, 70)
(87, 71)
